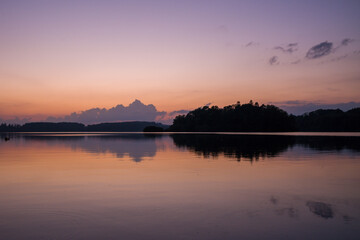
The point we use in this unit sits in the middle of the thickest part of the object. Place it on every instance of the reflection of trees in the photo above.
(250, 147)
(333, 120)
(327, 143)
(136, 146)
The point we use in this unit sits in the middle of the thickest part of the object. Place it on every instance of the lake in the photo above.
(179, 186)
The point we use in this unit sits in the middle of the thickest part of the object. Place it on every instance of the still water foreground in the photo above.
(180, 186)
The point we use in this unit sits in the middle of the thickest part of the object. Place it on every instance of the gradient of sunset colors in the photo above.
(59, 57)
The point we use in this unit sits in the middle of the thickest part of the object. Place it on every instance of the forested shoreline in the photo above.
(252, 117)
(249, 117)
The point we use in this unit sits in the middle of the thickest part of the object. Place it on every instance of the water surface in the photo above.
(179, 186)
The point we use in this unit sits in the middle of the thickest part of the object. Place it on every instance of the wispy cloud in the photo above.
(315, 52)
(289, 48)
(346, 41)
(319, 50)
(274, 60)
(223, 29)
(336, 59)
(296, 62)
(251, 44)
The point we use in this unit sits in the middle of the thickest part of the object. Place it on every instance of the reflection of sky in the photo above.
(135, 146)
(136, 149)
(50, 190)
(247, 147)
(58, 57)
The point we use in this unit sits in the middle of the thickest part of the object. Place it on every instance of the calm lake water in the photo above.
(182, 186)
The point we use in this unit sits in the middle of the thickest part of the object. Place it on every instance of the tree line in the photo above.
(249, 117)
(252, 117)
(79, 127)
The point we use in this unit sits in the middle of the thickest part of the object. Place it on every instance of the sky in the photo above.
(64, 57)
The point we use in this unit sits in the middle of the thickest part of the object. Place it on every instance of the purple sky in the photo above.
(59, 57)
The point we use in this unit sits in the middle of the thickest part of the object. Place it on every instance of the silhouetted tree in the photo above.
(153, 129)
(238, 118)
(9, 127)
(329, 120)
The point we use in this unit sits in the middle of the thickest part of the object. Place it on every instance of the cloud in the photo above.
(179, 112)
(274, 60)
(169, 116)
(251, 44)
(136, 111)
(291, 102)
(289, 48)
(296, 62)
(222, 29)
(320, 50)
(338, 58)
(298, 107)
(15, 120)
(346, 41)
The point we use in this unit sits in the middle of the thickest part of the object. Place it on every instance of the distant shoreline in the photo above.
(237, 118)
(332, 134)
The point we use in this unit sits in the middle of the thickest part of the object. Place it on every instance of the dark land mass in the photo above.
(235, 118)
(249, 117)
(153, 129)
(329, 121)
(252, 117)
(79, 127)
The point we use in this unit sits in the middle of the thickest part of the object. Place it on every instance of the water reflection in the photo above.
(136, 146)
(73, 186)
(240, 147)
(290, 212)
(247, 147)
(273, 200)
(329, 143)
(253, 147)
(294, 208)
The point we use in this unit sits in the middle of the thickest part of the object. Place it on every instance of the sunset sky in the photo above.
(60, 57)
